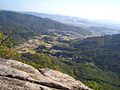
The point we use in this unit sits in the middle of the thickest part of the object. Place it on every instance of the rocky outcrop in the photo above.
(15, 75)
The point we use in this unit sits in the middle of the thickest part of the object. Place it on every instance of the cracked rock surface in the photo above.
(15, 75)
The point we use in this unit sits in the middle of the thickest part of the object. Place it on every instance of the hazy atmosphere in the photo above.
(59, 44)
(92, 9)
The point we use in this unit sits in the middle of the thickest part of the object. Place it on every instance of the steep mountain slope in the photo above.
(84, 70)
(90, 60)
(25, 26)
(104, 51)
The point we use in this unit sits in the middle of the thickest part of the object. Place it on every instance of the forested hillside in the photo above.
(95, 61)
(24, 26)
(103, 51)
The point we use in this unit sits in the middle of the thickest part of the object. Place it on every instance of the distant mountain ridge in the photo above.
(95, 60)
(64, 19)
(25, 26)
(105, 27)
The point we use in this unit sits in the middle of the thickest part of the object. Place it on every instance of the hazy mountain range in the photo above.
(81, 22)
(91, 58)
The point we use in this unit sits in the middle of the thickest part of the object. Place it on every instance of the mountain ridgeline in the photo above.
(25, 26)
(45, 43)
(98, 27)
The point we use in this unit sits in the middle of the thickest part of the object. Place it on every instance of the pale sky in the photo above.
(91, 9)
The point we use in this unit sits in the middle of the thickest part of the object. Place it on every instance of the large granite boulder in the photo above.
(15, 75)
